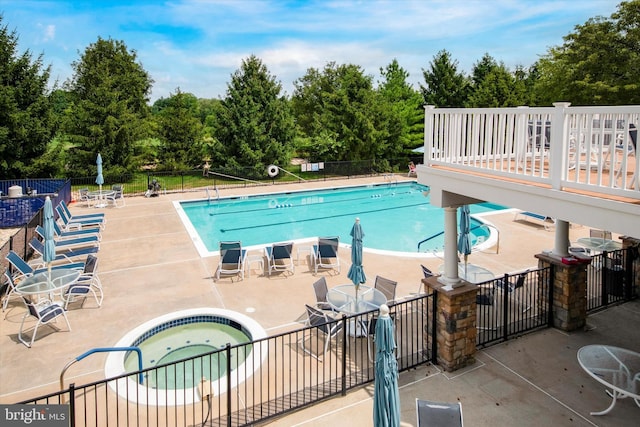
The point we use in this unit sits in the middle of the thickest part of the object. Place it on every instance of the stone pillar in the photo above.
(455, 332)
(569, 292)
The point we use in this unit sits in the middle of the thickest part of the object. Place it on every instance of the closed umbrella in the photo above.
(99, 178)
(356, 271)
(386, 398)
(49, 253)
(464, 237)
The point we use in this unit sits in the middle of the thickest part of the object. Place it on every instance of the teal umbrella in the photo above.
(49, 253)
(386, 398)
(99, 178)
(356, 271)
(464, 237)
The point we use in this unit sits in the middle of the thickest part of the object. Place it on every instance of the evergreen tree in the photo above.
(26, 120)
(405, 109)
(340, 113)
(180, 130)
(110, 95)
(445, 86)
(254, 125)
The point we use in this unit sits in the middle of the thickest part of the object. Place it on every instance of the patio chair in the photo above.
(83, 196)
(87, 283)
(10, 291)
(600, 234)
(325, 326)
(426, 272)
(438, 414)
(515, 288)
(117, 196)
(71, 243)
(387, 287)
(76, 223)
(25, 269)
(279, 257)
(69, 256)
(325, 254)
(321, 290)
(45, 312)
(232, 258)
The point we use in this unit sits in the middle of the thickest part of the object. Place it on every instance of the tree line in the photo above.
(336, 113)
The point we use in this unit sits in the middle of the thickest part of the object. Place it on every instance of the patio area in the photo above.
(149, 267)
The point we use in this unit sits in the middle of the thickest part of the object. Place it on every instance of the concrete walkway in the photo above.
(149, 266)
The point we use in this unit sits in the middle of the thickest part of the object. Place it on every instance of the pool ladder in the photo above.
(209, 193)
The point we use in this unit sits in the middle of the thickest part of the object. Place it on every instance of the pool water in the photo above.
(394, 217)
(184, 341)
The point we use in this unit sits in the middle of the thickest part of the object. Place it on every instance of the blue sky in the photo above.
(196, 45)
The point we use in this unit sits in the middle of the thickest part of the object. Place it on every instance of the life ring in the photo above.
(272, 170)
(273, 203)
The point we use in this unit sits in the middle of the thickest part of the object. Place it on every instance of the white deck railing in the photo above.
(582, 148)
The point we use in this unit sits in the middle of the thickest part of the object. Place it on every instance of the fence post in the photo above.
(344, 354)
(505, 307)
(228, 355)
(72, 405)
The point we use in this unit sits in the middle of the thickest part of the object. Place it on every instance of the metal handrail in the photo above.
(103, 350)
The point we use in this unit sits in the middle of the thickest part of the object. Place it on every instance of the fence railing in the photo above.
(514, 304)
(180, 181)
(581, 148)
(279, 374)
(611, 277)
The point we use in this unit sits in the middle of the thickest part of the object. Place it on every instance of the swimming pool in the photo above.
(395, 218)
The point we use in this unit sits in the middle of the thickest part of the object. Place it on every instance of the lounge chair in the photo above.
(70, 224)
(438, 414)
(45, 312)
(232, 258)
(79, 217)
(72, 234)
(279, 257)
(72, 243)
(325, 254)
(326, 326)
(546, 221)
(69, 256)
(87, 283)
(25, 269)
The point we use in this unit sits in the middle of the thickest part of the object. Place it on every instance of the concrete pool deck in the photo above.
(149, 266)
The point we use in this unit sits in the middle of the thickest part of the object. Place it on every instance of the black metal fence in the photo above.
(180, 181)
(513, 305)
(252, 382)
(611, 277)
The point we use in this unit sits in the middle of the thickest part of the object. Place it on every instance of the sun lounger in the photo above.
(543, 220)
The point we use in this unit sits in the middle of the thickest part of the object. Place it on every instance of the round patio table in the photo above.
(599, 244)
(350, 299)
(42, 283)
(616, 368)
(100, 196)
